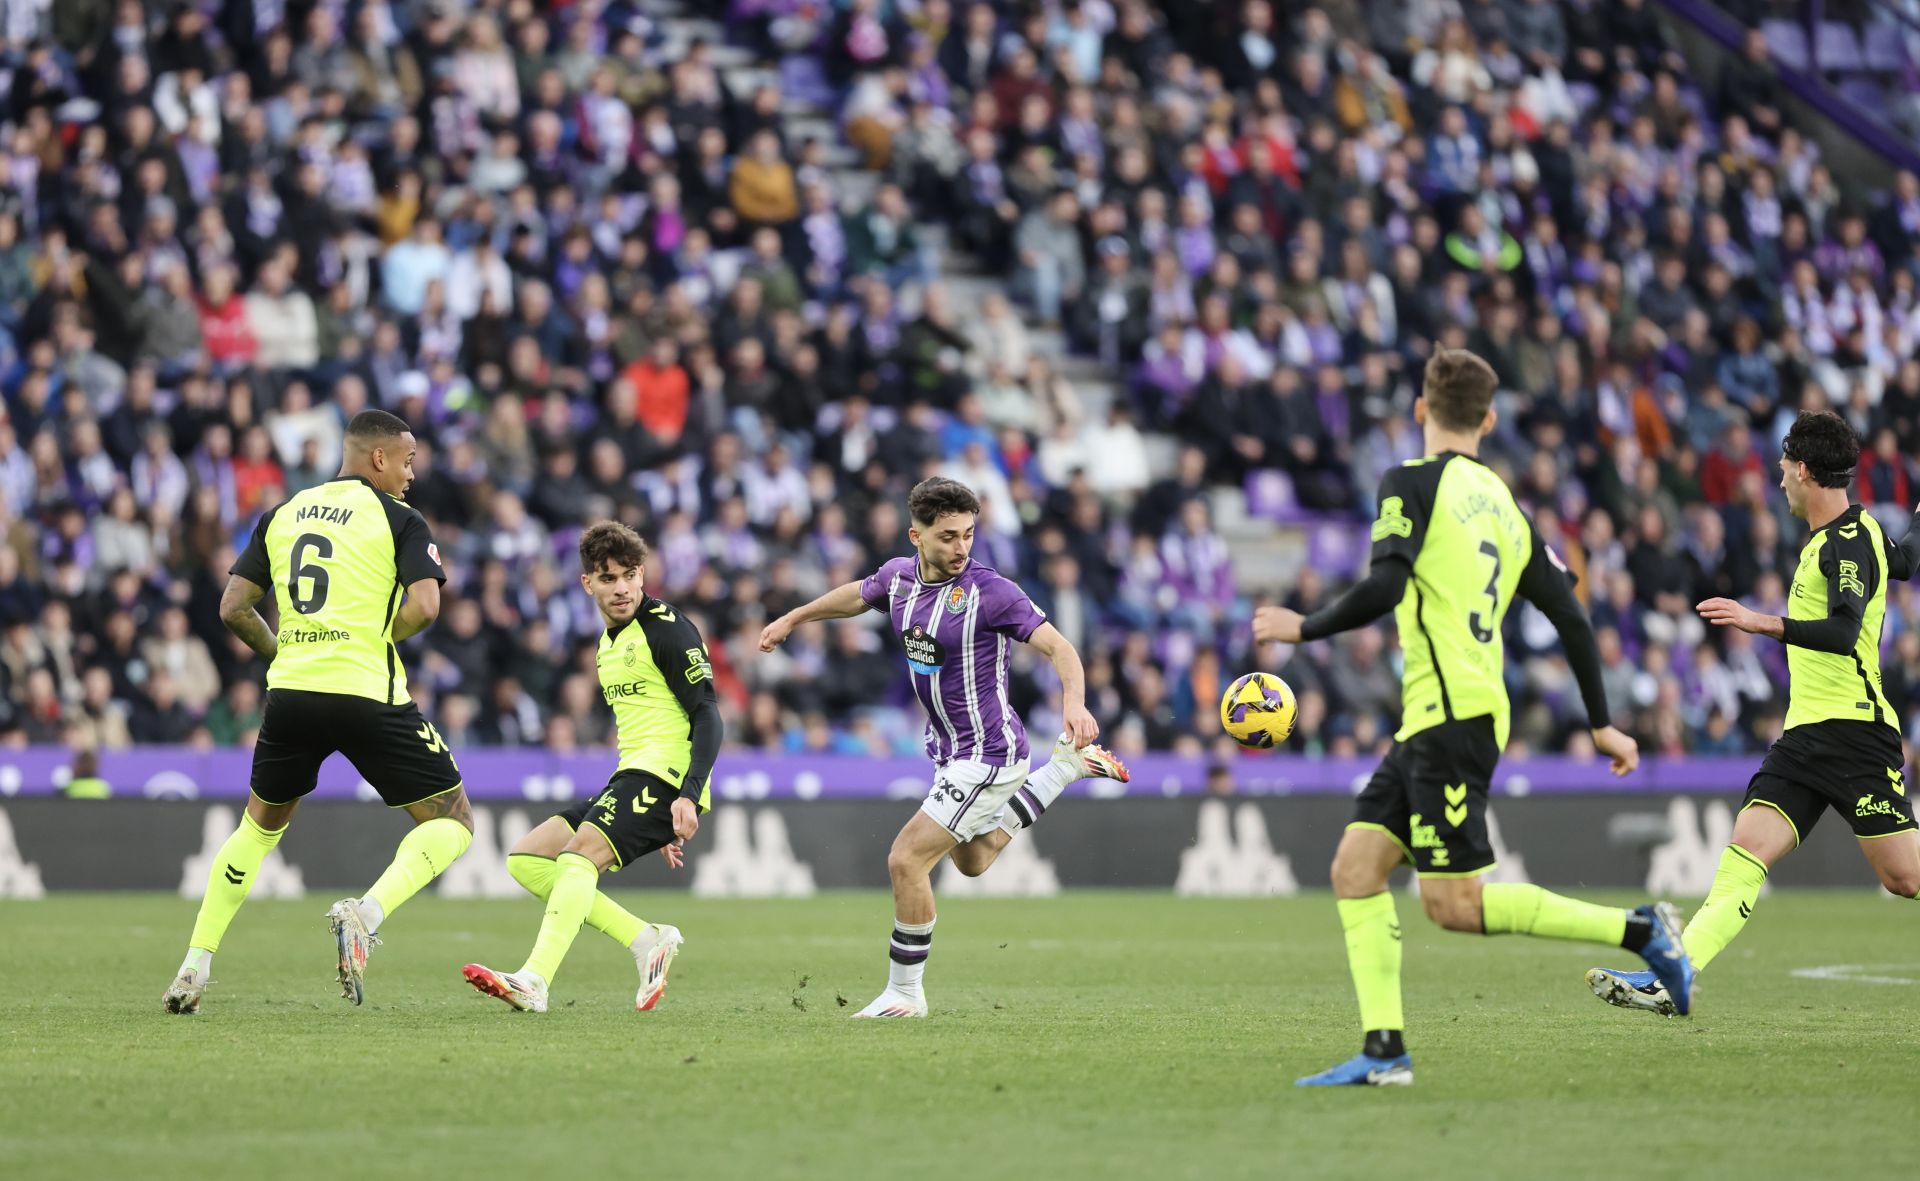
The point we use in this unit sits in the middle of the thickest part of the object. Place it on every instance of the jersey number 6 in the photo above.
(1482, 630)
(303, 569)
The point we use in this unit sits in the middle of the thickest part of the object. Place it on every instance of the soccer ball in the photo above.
(1258, 711)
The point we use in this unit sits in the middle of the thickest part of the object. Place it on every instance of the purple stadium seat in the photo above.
(1839, 48)
(1270, 495)
(1886, 47)
(803, 79)
(1788, 41)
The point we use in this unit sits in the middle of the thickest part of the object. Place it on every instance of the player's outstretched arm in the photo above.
(419, 611)
(1080, 726)
(842, 602)
(1852, 572)
(238, 613)
(1365, 601)
(1400, 528)
(1547, 585)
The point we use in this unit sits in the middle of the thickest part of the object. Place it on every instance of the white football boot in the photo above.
(893, 1003)
(524, 991)
(354, 943)
(183, 995)
(653, 951)
(1091, 761)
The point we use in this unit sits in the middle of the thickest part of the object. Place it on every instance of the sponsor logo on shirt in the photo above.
(925, 654)
(698, 667)
(433, 551)
(1850, 578)
(323, 635)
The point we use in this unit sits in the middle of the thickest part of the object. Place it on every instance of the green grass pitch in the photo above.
(1098, 1035)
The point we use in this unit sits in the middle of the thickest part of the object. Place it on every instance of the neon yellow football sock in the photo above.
(536, 873)
(1373, 956)
(423, 855)
(1736, 890)
(230, 879)
(567, 906)
(1513, 908)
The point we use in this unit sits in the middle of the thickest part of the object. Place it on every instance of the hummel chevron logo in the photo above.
(644, 800)
(1456, 810)
(431, 737)
(1746, 912)
(234, 876)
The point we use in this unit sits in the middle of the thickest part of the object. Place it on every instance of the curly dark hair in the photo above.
(937, 496)
(610, 541)
(1826, 443)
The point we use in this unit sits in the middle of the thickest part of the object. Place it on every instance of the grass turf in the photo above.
(1098, 1034)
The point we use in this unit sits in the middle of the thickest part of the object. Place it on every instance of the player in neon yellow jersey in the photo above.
(655, 674)
(1841, 746)
(1451, 549)
(353, 571)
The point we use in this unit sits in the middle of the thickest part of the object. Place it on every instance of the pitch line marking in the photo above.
(1858, 973)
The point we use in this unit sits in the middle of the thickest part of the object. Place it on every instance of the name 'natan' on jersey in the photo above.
(338, 557)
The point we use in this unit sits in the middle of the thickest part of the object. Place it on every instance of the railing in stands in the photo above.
(1806, 85)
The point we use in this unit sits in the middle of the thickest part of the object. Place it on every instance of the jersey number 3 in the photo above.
(313, 572)
(1482, 623)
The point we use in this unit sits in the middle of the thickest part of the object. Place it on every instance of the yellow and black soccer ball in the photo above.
(1258, 711)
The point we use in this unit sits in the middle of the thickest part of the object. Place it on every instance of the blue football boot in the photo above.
(1666, 956)
(1364, 1070)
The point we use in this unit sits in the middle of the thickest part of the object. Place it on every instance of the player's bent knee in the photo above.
(1452, 912)
(1353, 877)
(904, 863)
(1904, 885)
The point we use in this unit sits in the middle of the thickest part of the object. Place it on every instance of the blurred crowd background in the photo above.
(599, 279)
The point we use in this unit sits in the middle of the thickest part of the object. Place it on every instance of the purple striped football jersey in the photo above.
(956, 634)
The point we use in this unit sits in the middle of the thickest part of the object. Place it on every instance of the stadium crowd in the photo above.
(599, 282)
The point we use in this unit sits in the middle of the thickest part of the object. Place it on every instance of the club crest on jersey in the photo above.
(1393, 520)
(956, 600)
(630, 654)
(925, 654)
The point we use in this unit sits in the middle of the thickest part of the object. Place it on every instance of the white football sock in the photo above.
(199, 959)
(907, 955)
(1033, 799)
(371, 914)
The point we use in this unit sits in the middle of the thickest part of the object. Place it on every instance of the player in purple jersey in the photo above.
(957, 621)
